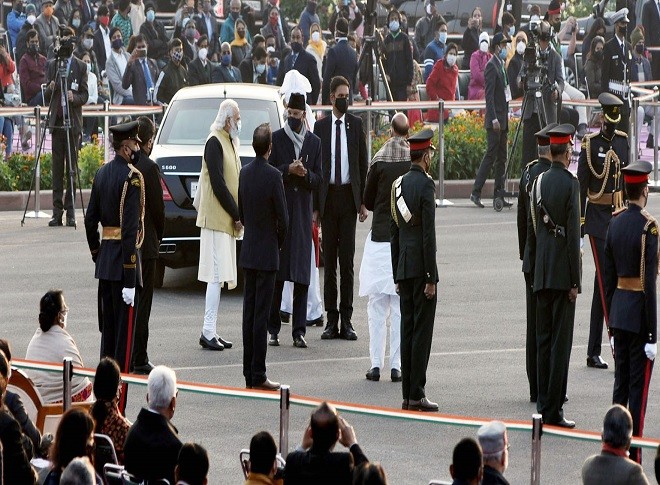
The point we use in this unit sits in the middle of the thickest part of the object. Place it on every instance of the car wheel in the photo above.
(159, 275)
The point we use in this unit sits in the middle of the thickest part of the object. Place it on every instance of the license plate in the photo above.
(193, 189)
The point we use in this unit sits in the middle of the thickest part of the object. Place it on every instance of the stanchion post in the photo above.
(655, 140)
(285, 393)
(634, 153)
(106, 131)
(37, 175)
(537, 432)
(369, 130)
(66, 376)
(441, 149)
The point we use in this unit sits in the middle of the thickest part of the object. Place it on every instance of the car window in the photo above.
(188, 120)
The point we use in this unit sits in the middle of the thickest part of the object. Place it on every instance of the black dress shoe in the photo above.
(404, 404)
(347, 332)
(225, 343)
(566, 398)
(331, 332)
(273, 341)
(299, 342)
(55, 221)
(597, 362)
(532, 398)
(317, 322)
(422, 405)
(267, 385)
(395, 375)
(70, 222)
(285, 317)
(564, 423)
(211, 344)
(143, 369)
(373, 374)
(477, 201)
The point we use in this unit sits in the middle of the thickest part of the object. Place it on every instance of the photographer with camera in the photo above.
(541, 72)
(74, 71)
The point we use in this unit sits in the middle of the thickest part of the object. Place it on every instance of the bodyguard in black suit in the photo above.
(339, 201)
(77, 96)
(303, 62)
(340, 60)
(602, 157)
(631, 269)
(154, 224)
(617, 59)
(263, 213)
(296, 153)
(529, 174)
(412, 240)
(553, 236)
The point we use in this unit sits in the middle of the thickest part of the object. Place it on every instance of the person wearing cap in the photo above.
(617, 60)
(303, 62)
(478, 62)
(216, 201)
(495, 449)
(376, 282)
(15, 20)
(529, 174)
(413, 248)
(262, 207)
(650, 21)
(496, 121)
(541, 111)
(77, 95)
(602, 157)
(48, 26)
(116, 202)
(630, 270)
(553, 236)
(612, 465)
(296, 153)
(340, 60)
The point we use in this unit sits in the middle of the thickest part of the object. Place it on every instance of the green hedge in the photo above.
(16, 172)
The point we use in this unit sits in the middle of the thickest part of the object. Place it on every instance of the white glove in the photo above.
(612, 343)
(651, 351)
(581, 242)
(128, 294)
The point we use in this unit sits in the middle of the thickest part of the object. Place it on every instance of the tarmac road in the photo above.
(477, 365)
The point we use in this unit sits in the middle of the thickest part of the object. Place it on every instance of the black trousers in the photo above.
(299, 315)
(140, 356)
(61, 170)
(417, 318)
(598, 299)
(339, 222)
(118, 333)
(258, 290)
(530, 147)
(555, 316)
(632, 375)
(530, 347)
(495, 155)
(399, 93)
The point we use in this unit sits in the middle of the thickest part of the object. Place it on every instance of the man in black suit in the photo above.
(617, 61)
(141, 73)
(339, 201)
(253, 68)
(340, 60)
(316, 462)
(496, 120)
(413, 248)
(553, 237)
(152, 444)
(303, 62)
(199, 70)
(154, 224)
(296, 153)
(263, 213)
(651, 21)
(77, 95)
(101, 36)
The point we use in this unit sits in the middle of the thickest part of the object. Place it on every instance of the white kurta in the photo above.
(376, 269)
(217, 258)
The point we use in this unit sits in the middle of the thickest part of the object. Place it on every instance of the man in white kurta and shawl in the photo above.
(376, 281)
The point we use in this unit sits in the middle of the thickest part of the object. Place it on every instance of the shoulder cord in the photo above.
(610, 157)
(140, 233)
(532, 200)
(393, 204)
(642, 264)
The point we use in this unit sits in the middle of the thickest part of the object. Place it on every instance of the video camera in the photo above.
(63, 47)
(535, 72)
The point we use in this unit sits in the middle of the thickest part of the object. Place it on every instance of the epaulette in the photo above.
(531, 164)
(621, 133)
(620, 211)
(651, 222)
(590, 135)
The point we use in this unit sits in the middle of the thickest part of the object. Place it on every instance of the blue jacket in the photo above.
(434, 51)
(15, 21)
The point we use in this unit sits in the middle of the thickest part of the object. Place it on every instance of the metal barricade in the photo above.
(67, 375)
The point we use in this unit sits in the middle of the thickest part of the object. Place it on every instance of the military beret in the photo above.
(542, 136)
(125, 131)
(421, 140)
(611, 107)
(637, 173)
(561, 134)
(492, 437)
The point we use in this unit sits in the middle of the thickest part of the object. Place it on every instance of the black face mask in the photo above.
(311, 7)
(598, 55)
(33, 49)
(639, 48)
(608, 129)
(341, 104)
(294, 123)
(622, 30)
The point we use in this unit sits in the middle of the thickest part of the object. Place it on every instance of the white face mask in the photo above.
(520, 48)
(451, 59)
(235, 129)
(203, 52)
(31, 19)
(429, 9)
(483, 47)
(63, 319)
(316, 36)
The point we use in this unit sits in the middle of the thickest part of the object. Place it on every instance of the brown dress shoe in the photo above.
(267, 385)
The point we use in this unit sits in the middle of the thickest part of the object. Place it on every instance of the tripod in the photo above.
(372, 63)
(62, 78)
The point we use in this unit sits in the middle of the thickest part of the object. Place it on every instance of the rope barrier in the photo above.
(353, 408)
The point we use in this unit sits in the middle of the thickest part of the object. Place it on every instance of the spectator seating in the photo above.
(45, 417)
(244, 457)
(421, 89)
(104, 452)
(580, 75)
(117, 475)
(463, 82)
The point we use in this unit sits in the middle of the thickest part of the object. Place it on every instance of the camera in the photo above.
(63, 47)
(535, 71)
